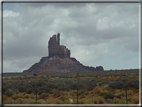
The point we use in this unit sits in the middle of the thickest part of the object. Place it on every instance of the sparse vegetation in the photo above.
(109, 96)
(93, 88)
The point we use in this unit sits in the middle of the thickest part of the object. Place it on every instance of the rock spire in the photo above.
(55, 49)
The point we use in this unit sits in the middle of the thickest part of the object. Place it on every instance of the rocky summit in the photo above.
(55, 48)
(59, 60)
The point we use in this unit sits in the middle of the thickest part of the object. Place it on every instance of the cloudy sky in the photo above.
(98, 34)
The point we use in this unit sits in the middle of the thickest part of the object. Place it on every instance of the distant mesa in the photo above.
(59, 60)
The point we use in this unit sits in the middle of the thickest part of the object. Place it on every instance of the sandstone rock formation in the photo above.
(59, 60)
(58, 64)
(55, 49)
(99, 68)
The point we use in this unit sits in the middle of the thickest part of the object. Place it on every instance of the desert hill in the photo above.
(59, 60)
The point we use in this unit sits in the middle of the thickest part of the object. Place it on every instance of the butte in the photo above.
(59, 60)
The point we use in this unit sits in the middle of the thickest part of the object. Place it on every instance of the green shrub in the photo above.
(22, 88)
(118, 96)
(133, 84)
(9, 93)
(35, 74)
(4, 98)
(43, 89)
(109, 96)
(97, 91)
(117, 85)
(16, 91)
(5, 88)
(29, 91)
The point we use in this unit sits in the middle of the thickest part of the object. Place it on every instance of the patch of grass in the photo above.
(25, 101)
(32, 96)
(83, 96)
(84, 101)
(58, 101)
(9, 101)
(57, 95)
(41, 101)
(20, 100)
(19, 95)
(98, 91)
(74, 101)
(122, 101)
(43, 96)
(31, 101)
(66, 101)
(106, 87)
(86, 93)
(129, 92)
(116, 100)
(49, 101)
(15, 96)
(109, 101)
(95, 101)
(66, 97)
(135, 100)
(88, 101)
(26, 96)
(123, 93)
(101, 100)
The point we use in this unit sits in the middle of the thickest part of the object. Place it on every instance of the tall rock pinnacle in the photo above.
(55, 49)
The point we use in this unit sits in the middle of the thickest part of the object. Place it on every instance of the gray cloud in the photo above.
(91, 31)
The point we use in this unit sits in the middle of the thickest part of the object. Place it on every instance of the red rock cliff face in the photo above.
(55, 49)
